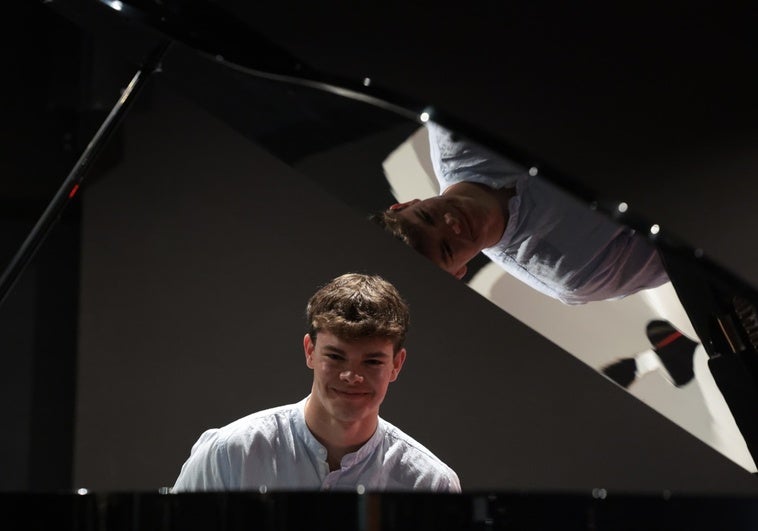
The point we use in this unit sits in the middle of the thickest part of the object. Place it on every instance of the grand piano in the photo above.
(241, 176)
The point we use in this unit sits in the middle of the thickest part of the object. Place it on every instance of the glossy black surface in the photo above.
(388, 511)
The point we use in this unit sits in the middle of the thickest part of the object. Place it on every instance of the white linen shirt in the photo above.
(552, 242)
(275, 450)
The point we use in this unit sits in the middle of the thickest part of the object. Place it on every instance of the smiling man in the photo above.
(530, 228)
(334, 438)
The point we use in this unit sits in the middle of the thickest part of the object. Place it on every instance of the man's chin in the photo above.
(352, 410)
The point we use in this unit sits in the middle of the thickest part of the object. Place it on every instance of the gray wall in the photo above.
(198, 254)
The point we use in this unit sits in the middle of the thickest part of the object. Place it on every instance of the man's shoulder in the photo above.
(456, 160)
(413, 449)
(264, 424)
(415, 464)
(221, 456)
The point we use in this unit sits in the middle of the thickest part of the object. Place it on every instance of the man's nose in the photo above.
(453, 222)
(351, 377)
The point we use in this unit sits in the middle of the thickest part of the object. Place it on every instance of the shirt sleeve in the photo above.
(456, 160)
(208, 467)
(452, 484)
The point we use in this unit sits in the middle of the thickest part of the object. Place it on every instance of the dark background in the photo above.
(642, 105)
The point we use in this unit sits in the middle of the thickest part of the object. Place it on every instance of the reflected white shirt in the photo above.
(552, 242)
(275, 450)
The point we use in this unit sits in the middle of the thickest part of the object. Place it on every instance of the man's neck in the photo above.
(338, 437)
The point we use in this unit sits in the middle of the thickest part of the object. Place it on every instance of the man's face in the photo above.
(350, 378)
(450, 230)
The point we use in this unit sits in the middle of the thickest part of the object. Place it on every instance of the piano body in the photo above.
(222, 201)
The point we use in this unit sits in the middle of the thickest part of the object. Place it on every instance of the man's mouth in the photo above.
(351, 394)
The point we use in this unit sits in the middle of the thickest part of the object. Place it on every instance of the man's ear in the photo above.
(397, 363)
(308, 346)
(461, 272)
(400, 206)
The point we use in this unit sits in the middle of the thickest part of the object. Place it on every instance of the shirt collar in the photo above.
(317, 449)
(368, 448)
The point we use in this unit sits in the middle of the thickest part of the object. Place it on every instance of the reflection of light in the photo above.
(599, 494)
(360, 489)
(655, 229)
(533, 171)
(366, 81)
(82, 492)
(115, 4)
(263, 489)
(623, 207)
(424, 117)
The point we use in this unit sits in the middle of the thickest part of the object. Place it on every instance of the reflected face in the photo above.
(451, 230)
(350, 378)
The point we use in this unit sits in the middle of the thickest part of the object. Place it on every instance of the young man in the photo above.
(534, 231)
(334, 438)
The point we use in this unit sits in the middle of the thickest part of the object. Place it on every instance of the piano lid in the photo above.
(650, 108)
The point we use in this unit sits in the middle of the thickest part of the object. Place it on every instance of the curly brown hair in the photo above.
(356, 306)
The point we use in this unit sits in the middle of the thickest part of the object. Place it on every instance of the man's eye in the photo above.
(425, 217)
(335, 357)
(447, 251)
(374, 362)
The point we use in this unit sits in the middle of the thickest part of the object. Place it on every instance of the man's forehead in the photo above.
(369, 344)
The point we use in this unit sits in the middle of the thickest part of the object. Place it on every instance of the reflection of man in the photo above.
(334, 438)
(534, 231)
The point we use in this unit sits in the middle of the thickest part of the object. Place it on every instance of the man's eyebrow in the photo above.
(331, 349)
(443, 251)
(377, 354)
